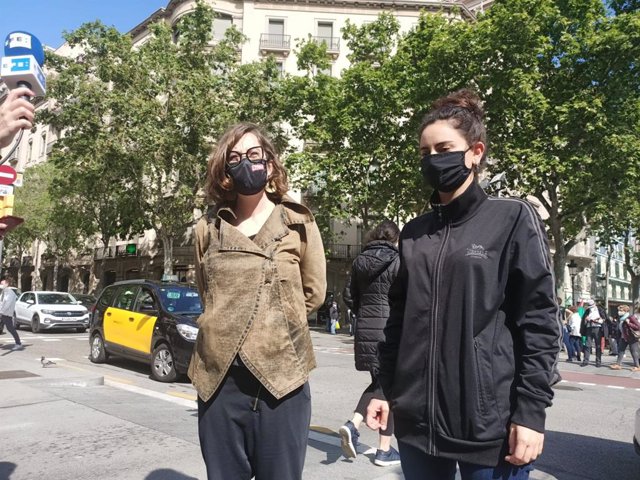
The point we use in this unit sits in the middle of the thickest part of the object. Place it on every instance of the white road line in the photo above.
(152, 393)
(51, 340)
(587, 384)
(615, 386)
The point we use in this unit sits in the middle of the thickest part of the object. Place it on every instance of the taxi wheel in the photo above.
(35, 324)
(163, 368)
(97, 353)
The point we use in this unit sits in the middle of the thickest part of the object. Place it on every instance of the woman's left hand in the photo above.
(525, 445)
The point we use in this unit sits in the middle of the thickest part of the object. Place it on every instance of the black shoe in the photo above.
(598, 364)
(584, 364)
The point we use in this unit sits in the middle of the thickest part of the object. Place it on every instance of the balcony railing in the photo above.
(332, 43)
(275, 42)
(340, 251)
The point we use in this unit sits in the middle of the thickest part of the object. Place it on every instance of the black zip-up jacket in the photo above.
(372, 273)
(473, 333)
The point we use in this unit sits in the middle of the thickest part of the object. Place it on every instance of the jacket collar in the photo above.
(287, 212)
(461, 208)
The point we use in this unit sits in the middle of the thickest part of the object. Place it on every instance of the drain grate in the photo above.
(9, 374)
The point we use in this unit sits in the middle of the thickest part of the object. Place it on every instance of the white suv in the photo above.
(47, 310)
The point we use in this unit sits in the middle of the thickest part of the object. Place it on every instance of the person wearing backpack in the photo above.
(630, 336)
(593, 319)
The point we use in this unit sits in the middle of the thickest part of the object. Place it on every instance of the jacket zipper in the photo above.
(431, 446)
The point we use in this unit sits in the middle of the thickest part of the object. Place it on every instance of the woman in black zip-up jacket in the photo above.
(473, 333)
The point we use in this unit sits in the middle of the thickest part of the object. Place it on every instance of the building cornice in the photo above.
(431, 5)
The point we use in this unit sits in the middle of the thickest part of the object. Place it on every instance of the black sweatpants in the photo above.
(365, 398)
(245, 432)
(7, 321)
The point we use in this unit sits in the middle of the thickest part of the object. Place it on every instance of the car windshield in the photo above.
(180, 300)
(56, 299)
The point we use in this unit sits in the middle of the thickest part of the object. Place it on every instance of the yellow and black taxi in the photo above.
(149, 321)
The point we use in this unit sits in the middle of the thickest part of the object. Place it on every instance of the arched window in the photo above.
(221, 23)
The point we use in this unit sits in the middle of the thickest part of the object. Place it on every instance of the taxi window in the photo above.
(126, 297)
(145, 301)
(180, 299)
(107, 296)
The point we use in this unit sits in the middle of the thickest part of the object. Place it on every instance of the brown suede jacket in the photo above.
(257, 295)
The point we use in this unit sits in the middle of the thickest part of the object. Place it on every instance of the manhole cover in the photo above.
(567, 387)
(9, 374)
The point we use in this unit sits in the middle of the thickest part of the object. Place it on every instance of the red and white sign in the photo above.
(7, 175)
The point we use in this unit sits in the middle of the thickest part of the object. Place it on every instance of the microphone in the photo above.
(22, 62)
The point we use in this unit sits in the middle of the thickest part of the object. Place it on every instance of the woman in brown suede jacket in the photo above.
(261, 270)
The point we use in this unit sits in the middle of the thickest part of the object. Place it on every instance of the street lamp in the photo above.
(573, 271)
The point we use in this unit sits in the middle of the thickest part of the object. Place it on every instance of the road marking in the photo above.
(587, 384)
(111, 378)
(51, 340)
(615, 386)
(188, 396)
(152, 393)
(82, 339)
(53, 359)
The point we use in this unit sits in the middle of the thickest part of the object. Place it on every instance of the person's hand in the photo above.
(525, 445)
(377, 414)
(16, 113)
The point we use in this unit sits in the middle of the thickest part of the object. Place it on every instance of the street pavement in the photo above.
(77, 420)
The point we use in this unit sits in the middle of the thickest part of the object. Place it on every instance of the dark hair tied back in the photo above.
(463, 108)
(386, 230)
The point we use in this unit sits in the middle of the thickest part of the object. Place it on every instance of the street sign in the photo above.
(6, 190)
(7, 175)
(19, 179)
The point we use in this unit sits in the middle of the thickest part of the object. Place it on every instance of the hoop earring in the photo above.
(270, 188)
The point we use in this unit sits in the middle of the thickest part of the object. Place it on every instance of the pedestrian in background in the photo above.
(260, 270)
(630, 336)
(7, 307)
(473, 334)
(372, 273)
(593, 320)
(574, 332)
(334, 316)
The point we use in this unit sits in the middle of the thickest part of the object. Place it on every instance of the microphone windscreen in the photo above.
(23, 43)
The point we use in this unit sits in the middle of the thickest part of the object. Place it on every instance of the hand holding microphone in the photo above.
(16, 113)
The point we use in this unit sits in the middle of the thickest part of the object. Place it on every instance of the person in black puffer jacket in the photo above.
(372, 274)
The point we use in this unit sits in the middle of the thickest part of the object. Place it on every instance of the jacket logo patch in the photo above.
(476, 251)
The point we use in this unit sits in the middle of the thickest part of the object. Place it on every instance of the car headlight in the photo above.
(187, 331)
(49, 312)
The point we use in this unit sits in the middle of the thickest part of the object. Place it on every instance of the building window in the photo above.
(276, 26)
(221, 23)
(326, 71)
(30, 150)
(280, 67)
(43, 144)
(325, 30)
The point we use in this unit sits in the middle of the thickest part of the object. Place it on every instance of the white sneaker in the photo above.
(17, 347)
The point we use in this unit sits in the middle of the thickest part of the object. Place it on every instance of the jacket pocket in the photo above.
(482, 393)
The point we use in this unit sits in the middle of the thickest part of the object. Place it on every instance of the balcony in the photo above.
(332, 43)
(270, 42)
(340, 251)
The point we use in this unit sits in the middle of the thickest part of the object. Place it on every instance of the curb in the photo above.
(67, 382)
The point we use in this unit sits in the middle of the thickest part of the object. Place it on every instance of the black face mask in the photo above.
(445, 171)
(248, 177)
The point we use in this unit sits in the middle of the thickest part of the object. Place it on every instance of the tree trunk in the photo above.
(37, 281)
(560, 253)
(19, 279)
(167, 247)
(55, 274)
(633, 272)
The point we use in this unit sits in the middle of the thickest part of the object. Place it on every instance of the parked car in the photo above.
(148, 321)
(636, 436)
(50, 310)
(86, 300)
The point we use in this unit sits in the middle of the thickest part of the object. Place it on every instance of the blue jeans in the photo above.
(417, 465)
(333, 326)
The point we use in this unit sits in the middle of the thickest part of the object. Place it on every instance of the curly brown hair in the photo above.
(219, 186)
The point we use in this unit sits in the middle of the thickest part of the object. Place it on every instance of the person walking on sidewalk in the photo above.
(574, 332)
(372, 273)
(630, 326)
(593, 319)
(473, 335)
(334, 317)
(7, 306)
(260, 270)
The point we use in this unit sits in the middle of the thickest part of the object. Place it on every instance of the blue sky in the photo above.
(47, 19)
